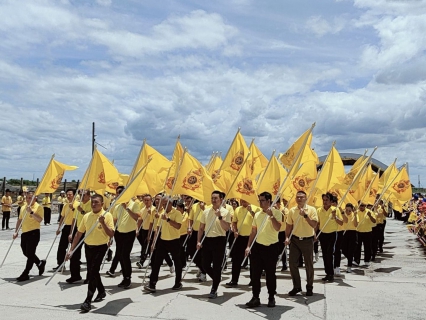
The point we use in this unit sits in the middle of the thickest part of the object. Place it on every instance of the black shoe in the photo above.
(72, 280)
(373, 259)
(263, 273)
(86, 281)
(55, 268)
(110, 273)
(41, 267)
(271, 302)
(231, 284)
(294, 291)
(284, 268)
(250, 284)
(101, 296)
(381, 250)
(309, 292)
(86, 306)
(253, 303)
(126, 283)
(23, 277)
(330, 279)
(177, 286)
(150, 288)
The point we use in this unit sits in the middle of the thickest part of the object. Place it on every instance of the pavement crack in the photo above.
(310, 311)
(165, 306)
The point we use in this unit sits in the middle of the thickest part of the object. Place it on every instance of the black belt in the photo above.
(304, 238)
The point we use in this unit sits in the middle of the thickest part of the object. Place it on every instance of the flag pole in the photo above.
(25, 214)
(238, 131)
(267, 166)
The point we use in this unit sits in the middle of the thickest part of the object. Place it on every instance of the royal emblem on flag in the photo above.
(215, 175)
(287, 158)
(237, 160)
(276, 187)
(245, 187)
(54, 184)
(350, 177)
(101, 177)
(401, 186)
(170, 182)
(301, 183)
(113, 185)
(193, 179)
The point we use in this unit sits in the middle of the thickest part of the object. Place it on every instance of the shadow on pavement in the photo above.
(23, 283)
(267, 313)
(114, 307)
(219, 300)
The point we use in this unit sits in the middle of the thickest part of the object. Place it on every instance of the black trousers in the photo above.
(237, 255)
(281, 245)
(213, 251)
(29, 242)
(5, 220)
(124, 245)
(328, 242)
(363, 238)
(60, 206)
(94, 256)
(349, 245)
(338, 249)
(264, 258)
(382, 235)
(75, 259)
(143, 241)
(183, 254)
(47, 215)
(192, 248)
(63, 244)
(162, 250)
(375, 240)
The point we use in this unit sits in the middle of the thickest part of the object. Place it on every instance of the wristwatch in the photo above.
(305, 216)
(168, 219)
(220, 217)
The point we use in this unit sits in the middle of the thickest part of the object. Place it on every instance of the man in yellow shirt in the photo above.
(329, 220)
(350, 223)
(146, 218)
(47, 209)
(79, 212)
(183, 231)
(168, 241)
(264, 253)
(62, 197)
(6, 206)
(195, 213)
(30, 217)
(281, 235)
(125, 216)
(67, 216)
(242, 225)
(99, 228)
(367, 221)
(218, 220)
(301, 223)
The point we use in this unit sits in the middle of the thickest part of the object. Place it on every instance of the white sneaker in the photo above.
(202, 277)
(337, 272)
(172, 269)
(316, 257)
(349, 270)
(355, 264)
(367, 264)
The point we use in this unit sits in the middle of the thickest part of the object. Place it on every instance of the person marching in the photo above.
(281, 235)
(82, 208)
(168, 241)
(183, 231)
(218, 221)
(339, 239)
(195, 213)
(30, 236)
(67, 216)
(367, 221)
(264, 253)
(96, 245)
(242, 225)
(6, 206)
(301, 223)
(384, 214)
(145, 221)
(20, 201)
(350, 223)
(60, 200)
(47, 209)
(329, 218)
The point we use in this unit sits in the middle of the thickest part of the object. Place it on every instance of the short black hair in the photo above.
(97, 195)
(70, 189)
(328, 195)
(220, 193)
(350, 205)
(119, 189)
(266, 194)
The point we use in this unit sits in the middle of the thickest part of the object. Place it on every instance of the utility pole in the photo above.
(93, 137)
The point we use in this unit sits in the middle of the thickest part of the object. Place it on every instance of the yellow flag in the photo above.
(387, 177)
(159, 162)
(193, 180)
(401, 186)
(244, 187)
(131, 189)
(372, 186)
(111, 186)
(100, 171)
(214, 165)
(362, 181)
(237, 152)
(304, 141)
(152, 183)
(331, 174)
(304, 178)
(176, 159)
(257, 162)
(272, 178)
(53, 177)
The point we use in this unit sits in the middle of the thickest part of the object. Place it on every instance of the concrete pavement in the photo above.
(392, 287)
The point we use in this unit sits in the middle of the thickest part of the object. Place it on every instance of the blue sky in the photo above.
(201, 69)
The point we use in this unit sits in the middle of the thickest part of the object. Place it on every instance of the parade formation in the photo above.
(242, 211)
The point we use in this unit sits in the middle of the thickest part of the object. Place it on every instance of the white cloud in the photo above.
(320, 26)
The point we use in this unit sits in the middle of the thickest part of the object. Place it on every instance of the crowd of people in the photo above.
(414, 215)
(184, 231)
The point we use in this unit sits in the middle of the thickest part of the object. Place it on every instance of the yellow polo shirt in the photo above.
(184, 224)
(302, 228)
(29, 223)
(168, 232)
(365, 224)
(69, 214)
(208, 217)
(195, 215)
(326, 215)
(267, 235)
(244, 220)
(350, 224)
(125, 223)
(380, 217)
(146, 218)
(87, 207)
(20, 200)
(46, 202)
(6, 200)
(283, 219)
(98, 236)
